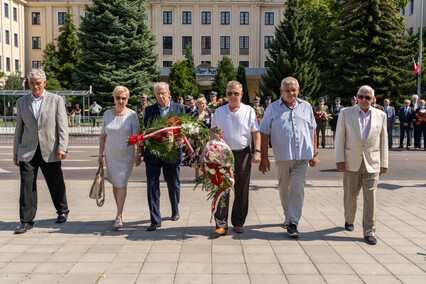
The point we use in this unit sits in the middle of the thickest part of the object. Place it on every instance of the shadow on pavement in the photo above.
(389, 186)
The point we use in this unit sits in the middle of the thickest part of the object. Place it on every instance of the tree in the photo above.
(67, 50)
(241, 77)
(117, 48)
(225, 73)
(371, 49)
(193, 74)
(13, 82)
(51, 67)
(291, 54)
(179, 80)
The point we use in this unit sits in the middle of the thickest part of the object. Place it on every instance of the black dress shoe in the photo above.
(401, 147)
(175, 217)
(153, 227)
(62, 218)
(370, 240)
(24, 228)
(349, 227)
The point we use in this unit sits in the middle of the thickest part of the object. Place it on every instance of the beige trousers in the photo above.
(352, 183)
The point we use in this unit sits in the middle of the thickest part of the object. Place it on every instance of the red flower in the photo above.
(217, 178)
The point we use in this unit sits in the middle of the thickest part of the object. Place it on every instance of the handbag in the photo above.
(97, 191)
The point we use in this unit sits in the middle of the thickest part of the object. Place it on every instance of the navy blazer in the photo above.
(406, 118)
(151, 112)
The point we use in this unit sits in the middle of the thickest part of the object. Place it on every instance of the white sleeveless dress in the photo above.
(119, 157)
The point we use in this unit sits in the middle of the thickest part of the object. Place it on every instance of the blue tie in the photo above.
(387, 114)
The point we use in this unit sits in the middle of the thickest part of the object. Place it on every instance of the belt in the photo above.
(241, 150)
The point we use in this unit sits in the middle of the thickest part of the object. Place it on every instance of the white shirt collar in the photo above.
(41, 97)
(360, 110)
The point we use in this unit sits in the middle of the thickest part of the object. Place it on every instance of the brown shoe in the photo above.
(220, 232)
(238, 229)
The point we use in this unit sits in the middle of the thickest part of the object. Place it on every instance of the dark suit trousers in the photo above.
(405, 129)
(390, 142)
(321, 127)
(241, 189)
(171, 176)
(55, 182)
(416, 130)
(422, 131)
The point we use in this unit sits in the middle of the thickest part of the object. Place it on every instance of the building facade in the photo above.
(239, 29)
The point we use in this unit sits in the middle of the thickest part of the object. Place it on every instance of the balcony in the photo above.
(167, 51)
(206, 51)
(225, 51)
(244, 51)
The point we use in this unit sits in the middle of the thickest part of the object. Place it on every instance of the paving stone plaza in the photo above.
(87, 249)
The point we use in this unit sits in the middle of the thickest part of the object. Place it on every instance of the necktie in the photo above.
(405, 111)
(387, 113)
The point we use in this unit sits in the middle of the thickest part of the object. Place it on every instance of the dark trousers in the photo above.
(416, 130)
(241, 189)
(55, 182)
(171, 176)
(390, 142)
(421, 131)
(321, 127)
(407, 130)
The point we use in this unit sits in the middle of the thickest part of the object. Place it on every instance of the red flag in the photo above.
(416, 67)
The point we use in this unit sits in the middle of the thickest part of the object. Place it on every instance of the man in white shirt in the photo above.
(390, 113)
(239, 125)
(361, 153)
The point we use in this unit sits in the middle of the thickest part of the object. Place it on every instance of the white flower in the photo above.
(212, 171)
(222, 171)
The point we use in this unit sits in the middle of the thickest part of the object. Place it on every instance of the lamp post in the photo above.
(419, 75)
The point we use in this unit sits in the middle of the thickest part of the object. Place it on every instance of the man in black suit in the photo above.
(390, 113)
(406, 121)
(154, 165)
(415, 105)
(421, 128)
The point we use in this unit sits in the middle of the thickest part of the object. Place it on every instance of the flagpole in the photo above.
(419, 75)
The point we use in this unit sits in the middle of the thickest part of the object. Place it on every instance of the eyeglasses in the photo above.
(161, 94)
(367, 98)
(230, 94)
(121, 98)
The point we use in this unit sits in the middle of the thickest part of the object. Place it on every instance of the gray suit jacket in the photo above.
(391, 116)
(50, 131)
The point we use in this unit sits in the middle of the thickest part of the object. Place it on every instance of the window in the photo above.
(244, 18)
(8, 64)
(61, 18)
(185, 41)
(16, 65)
(1, 64)
(35, 18)
(266, 64)
(225, 18)
(36, 64)
(269, 18)
(206, 18)
(206, 45)
(15, 14)
(36, 42)
(167, 45)
(402, 11)
(15, 39)
(6, 11)
(167, 63)
(167, 18)
(244, 63)
(244, 45)
(186, 17)
(7, 36)
(411, 7)
(207, 62)
(225, 45)
(267, 41)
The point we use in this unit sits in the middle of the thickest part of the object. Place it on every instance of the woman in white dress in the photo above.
(118, 124)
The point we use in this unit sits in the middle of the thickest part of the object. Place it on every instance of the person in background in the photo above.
(335, 110)
(119, 123)
(353, 101)
(305, 98)
(321, 124)
(415, 105)
(140, 108)
(421, 127)
(361, 153)
(70, 114)
(376, 105)
(257, 108)
(77, 112)
(41, 141)
(179, 100)
(191, 107)
(390, 114)
(268, 101)
(406, 121)
(95, 111)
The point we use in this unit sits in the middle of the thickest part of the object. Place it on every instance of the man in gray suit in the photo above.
(390, 113)
(41, 141)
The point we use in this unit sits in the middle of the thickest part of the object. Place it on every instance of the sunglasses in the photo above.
(121, 98)
(367, 98)
(230, 94)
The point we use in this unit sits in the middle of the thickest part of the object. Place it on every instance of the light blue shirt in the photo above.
(164, 111)
(291, 130)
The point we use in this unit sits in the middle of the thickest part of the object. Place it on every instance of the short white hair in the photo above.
(36, 74)
(365, 88)
(406, 101)
(289, 80)
(159, 84)
(415, 96)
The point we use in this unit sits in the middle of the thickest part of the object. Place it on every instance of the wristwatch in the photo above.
(257, 150)
(316, 154)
